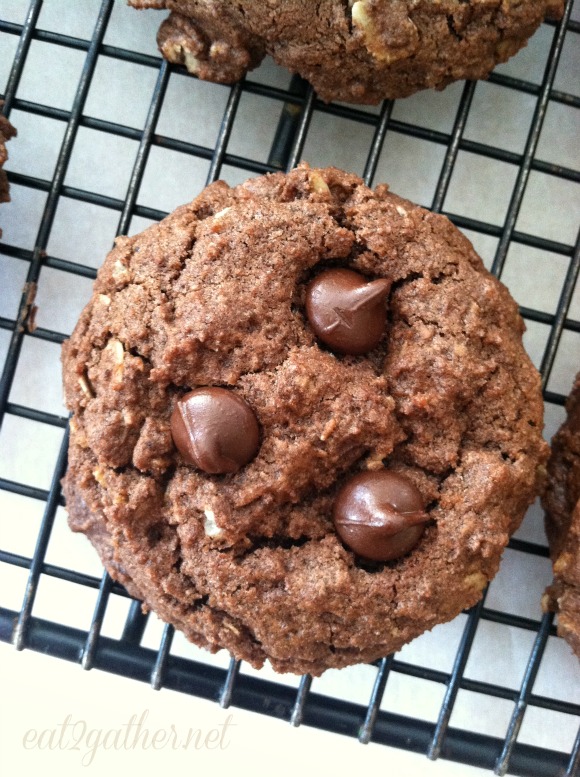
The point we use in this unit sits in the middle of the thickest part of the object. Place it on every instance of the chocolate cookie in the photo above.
(262, 469)
(562, 504)
(360, 52)
(7, 131)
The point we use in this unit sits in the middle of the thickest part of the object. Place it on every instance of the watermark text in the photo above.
(77, 735)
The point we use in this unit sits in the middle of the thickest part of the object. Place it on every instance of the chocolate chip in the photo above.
(215, 429)
(380, 515)
(346, 311)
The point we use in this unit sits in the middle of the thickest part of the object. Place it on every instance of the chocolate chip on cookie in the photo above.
(380, 515)
(215, 430)
(345, 311)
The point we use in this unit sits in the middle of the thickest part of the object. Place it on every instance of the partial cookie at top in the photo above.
(562, 504)
(360, 52)
(257, 559)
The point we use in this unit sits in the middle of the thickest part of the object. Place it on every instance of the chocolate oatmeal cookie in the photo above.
(562, 504)
(304, 425)
(7, 131)
(359, 51)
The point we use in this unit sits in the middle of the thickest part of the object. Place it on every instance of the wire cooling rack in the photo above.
(499, 158)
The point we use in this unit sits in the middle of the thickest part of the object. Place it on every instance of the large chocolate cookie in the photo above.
(359, 51)
(562, 503)
(304, 425)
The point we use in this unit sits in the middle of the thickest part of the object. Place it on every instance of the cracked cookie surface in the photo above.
(358, 51)
(214, 295)
(562, 504)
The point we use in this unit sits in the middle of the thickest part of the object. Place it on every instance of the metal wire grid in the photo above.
(126, 656)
